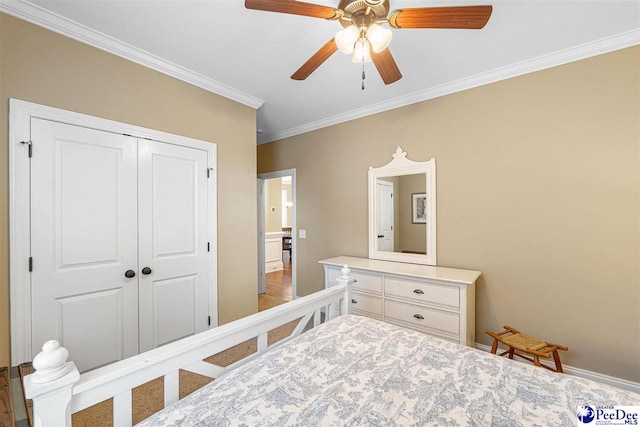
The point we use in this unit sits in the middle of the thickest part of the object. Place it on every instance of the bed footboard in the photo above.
(58, 390)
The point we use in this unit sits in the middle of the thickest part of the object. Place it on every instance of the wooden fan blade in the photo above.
(315, 61)
(466, 17)
(294, 8)
(386, 66)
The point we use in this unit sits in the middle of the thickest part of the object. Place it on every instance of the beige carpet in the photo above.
(148, 398)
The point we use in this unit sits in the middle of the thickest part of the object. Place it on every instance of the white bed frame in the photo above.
(58, 390)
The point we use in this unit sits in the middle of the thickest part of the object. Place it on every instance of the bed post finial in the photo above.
(51, 385)
(346, 271)
(51, 363)
(347, 280)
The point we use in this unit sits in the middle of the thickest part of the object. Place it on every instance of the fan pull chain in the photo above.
(363, 76)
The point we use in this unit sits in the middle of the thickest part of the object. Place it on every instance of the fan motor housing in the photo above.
(354, 9)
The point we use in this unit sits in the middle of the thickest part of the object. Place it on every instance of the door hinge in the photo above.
(30, 264)
(30, 145)
(391, 195)
(209, 320)
(209, 172)
(208, 246)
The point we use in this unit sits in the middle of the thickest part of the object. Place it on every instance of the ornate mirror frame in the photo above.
(398, 166)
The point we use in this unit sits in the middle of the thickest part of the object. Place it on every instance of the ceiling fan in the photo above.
(363, 34)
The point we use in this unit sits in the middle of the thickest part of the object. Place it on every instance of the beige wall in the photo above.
(273, 199)
(43, 67)
(538, 188)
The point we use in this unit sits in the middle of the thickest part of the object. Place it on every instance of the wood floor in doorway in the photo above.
(277, 288)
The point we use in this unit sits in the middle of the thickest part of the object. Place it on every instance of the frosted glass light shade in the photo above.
(361, 51)
(378, 37)
(346, 39)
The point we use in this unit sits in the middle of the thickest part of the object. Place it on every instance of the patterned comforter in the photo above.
(357, 371)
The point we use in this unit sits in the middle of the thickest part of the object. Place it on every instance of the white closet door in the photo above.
(172, 194)
(83, 240)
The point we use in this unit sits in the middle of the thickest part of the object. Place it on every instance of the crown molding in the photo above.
(565, 56)
(61, 25)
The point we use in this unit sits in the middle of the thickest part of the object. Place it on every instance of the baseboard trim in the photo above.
(590, 375)
(272, 266)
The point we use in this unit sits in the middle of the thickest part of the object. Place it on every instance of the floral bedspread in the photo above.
(356, 371)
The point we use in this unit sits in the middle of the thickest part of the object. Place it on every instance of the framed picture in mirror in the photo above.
(419, 208)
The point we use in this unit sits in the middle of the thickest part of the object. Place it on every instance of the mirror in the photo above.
(402, 210)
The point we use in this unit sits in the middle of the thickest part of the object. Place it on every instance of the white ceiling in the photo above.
(249, 55)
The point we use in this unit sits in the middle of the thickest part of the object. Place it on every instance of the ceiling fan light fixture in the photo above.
(378, 37)
(362, 20)
(346, 39)
(361, 53)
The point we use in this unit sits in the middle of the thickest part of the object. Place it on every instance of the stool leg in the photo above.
(536, 360)
(494, 347)
(511, 349)
(556, 358)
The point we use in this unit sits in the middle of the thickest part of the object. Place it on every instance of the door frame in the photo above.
(20, 115)
(262, 177)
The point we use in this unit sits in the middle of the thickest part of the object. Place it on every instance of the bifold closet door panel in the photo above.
(173, 230)
(83, 240)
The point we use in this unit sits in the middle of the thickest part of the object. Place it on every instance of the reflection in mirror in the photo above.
(402, 211)
(401, 214)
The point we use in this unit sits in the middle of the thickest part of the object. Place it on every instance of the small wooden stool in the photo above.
(518, 341)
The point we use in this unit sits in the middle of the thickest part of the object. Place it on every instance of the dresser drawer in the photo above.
(442, 298)
(423, 318)
(366, 282)
(366, 304)
(423, 292)
(332, 274)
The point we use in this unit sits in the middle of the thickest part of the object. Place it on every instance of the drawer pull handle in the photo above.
(353, 301)
(419, 316)
(418, 291)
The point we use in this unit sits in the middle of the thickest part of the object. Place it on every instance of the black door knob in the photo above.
(380, 236)
(146, 271)
(129, 274)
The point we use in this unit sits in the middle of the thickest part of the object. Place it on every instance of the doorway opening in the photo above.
(276, 238)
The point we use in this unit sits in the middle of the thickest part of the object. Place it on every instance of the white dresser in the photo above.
(436, 300)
